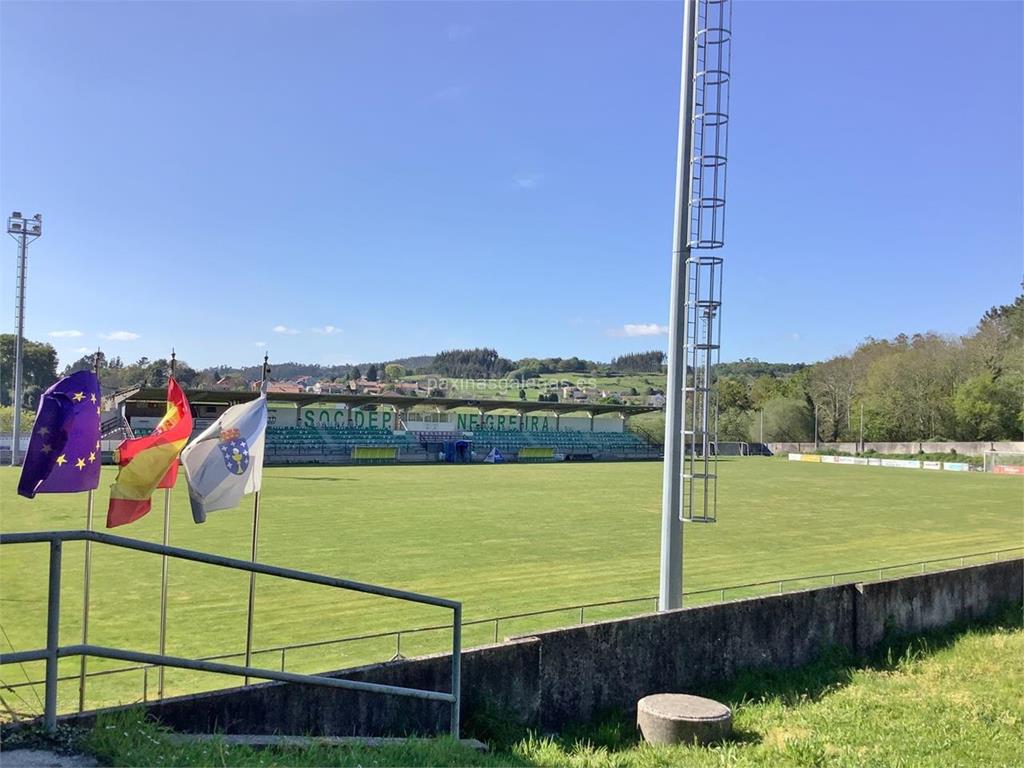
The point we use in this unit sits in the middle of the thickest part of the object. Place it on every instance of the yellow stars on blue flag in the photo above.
(78, 397)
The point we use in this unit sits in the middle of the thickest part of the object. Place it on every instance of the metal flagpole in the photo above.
(670, 591)
(255, 541)
(83, 660)
(163, 571)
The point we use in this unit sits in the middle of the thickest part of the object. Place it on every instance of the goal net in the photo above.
(1004, 462)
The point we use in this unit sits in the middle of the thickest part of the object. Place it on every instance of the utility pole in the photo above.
(24, 231)
(815, 426)
(762, 426)
(670, 581)
(862, 427)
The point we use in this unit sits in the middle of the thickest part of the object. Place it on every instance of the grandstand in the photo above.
(373, 429)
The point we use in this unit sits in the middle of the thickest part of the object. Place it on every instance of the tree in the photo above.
(788, 421)
(639, 362)
(28, 418)
(522, 394)
(987, 408)
(832, 384)
(371, 373)
(394, 371)
(733, 393)
(734, 425)
(356, 374)
(38, 366)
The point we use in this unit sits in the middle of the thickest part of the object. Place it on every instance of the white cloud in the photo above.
(82, 350)
(65, 334)
(259, 343)
(642, 329)
(795, 336)
(527, 180)
(119, 336)
(327, 330)
(458, 32)
(285, 330)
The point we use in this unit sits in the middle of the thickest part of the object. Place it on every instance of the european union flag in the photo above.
(64, 450)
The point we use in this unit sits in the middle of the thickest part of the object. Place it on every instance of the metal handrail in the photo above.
(580, 607)
(54, 651)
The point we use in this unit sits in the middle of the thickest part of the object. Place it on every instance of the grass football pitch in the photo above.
(502, 539)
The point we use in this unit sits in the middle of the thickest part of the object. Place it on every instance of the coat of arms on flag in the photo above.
(235, 451)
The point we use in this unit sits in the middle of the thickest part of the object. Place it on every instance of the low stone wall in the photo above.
(934, 600)
(966, 449)
(551, 679)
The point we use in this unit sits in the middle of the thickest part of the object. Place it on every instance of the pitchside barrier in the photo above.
(947, 466)
(493, 628)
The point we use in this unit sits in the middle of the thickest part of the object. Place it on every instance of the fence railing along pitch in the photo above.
(54, 651)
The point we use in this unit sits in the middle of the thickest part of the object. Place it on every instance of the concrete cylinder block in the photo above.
(678, 718)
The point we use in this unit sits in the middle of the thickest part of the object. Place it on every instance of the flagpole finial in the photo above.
(174, 357)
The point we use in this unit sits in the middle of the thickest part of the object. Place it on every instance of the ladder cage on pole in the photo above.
(712, 50)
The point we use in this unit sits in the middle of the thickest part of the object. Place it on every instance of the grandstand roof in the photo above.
(220, 397)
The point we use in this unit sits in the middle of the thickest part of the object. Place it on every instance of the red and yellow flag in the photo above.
(150, 462)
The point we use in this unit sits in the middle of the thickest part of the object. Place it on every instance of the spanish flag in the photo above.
(150, 462)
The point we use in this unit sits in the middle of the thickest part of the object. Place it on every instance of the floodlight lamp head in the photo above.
(16, 215)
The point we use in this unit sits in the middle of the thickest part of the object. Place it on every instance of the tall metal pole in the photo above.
(163, 572)
(862, 427)
(255, 542)
(670, 582)
(19, 342)
(762, 426)
(87, 577)
(815, 426)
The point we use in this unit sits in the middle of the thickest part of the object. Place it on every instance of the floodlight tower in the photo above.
(24, 231)
(689, 490)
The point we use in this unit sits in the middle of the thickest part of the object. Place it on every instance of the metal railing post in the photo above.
(52, 637)
(456, 667)
(282, 659)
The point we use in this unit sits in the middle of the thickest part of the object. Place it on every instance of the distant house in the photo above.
(656, 400)
(230, 383)
(282, 387)
(328, 388)
(406, 388)
(364, 387)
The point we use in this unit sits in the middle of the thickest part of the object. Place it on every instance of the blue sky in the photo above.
(354, 181)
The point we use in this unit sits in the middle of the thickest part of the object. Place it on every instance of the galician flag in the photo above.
(150, 462)
(64, 450)
(226, 461)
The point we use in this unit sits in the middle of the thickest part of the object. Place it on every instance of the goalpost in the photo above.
(1004, 462)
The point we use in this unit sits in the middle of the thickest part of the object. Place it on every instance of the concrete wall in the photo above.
(931, 601)
(968, 449)
(554, 678)
(596, 668)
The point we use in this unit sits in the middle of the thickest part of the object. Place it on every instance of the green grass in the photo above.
(501, 539)
(950, 699)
